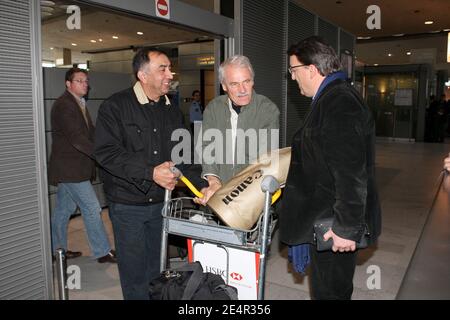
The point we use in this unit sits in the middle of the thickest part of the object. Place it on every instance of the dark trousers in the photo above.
(332, 274)
(137, 236)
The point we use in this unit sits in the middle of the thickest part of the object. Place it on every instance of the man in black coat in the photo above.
(133, 145)
(332, 170)
(72, 168)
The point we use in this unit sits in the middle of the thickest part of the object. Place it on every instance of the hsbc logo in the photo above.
(215, 270)
(236, 276)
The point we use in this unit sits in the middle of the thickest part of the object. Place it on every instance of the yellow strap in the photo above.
(195, 191)
(191, 187)
(276, 195)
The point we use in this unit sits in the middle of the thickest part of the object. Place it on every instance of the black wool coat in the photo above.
(71, 157)
(332, 169)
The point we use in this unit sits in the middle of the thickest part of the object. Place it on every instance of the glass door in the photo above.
(392, 99)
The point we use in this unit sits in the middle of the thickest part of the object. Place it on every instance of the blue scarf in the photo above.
(299, 257)
(328, 79)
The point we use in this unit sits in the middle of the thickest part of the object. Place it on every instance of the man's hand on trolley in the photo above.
(164, 176)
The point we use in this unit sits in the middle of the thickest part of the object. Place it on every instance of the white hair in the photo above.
(238, 61)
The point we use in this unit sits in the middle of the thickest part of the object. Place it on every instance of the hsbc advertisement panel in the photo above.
(243, 265)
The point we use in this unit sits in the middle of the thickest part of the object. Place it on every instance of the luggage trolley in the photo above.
(180, 218)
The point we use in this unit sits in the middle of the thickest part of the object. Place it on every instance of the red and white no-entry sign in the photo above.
(162, 8)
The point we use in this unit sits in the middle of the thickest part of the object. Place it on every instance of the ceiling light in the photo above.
(100, 40)
(51, 48)
(47, 9)
(399, 35)
(389, 54)
(47, 3)
(429, 22)
(375, 64)
(115, 37)
(74, 44)
(46, 64)
(408, 53)
(364, 38)
(140, 33)
(93, 41)
(446, 30)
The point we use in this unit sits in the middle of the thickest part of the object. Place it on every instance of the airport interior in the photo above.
(396, 54)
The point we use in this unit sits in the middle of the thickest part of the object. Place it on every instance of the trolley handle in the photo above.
(269, 185)
(186, 181)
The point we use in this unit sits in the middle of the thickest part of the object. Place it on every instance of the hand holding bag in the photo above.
(322, 226)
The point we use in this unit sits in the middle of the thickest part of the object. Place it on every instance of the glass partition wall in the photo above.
(392, 98)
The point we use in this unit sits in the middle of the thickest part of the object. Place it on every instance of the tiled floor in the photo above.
(428, 275)
(407, 177)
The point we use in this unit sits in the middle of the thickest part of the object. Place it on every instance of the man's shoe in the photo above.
(69, 255)
(73, 254)
(110, 257)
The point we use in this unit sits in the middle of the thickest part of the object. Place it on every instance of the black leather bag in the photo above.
(189, 282)
(323, 225)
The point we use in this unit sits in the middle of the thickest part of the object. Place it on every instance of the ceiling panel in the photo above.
(397, 16)
(98, 28)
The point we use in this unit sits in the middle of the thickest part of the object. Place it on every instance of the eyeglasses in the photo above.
(81, 81)
(297, 66)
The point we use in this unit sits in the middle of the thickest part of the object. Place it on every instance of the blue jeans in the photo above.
(68, 197)
(137, 235)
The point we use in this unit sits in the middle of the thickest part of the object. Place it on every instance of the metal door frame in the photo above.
(181, 15)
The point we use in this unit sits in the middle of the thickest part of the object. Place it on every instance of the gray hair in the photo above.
(237, 61)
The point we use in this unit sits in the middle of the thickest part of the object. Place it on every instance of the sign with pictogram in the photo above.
(162, 8)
